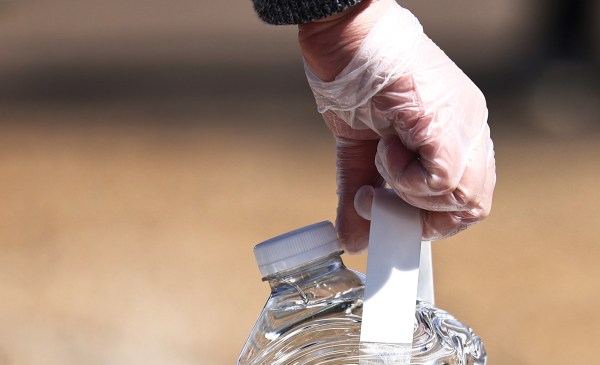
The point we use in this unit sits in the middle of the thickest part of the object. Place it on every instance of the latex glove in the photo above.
(402, 112)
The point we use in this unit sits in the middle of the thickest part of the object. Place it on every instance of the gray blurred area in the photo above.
(146, 146)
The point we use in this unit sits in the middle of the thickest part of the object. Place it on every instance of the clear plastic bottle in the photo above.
(313, 315)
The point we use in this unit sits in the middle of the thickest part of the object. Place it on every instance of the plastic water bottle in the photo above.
(313, 315)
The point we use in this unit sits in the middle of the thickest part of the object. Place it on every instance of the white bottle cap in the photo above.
(297, 247)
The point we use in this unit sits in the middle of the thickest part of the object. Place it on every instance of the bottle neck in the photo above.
(305, 274)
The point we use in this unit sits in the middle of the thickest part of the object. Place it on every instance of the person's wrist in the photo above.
(329, 44)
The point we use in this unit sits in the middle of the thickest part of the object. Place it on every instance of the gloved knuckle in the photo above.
(442, 183)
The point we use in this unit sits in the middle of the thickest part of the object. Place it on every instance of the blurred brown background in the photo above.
(146, 146)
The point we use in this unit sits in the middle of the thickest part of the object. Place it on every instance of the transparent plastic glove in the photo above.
(429, 121)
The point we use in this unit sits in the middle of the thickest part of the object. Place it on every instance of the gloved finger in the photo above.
(355, 168)
(438, 225)
(468, 193)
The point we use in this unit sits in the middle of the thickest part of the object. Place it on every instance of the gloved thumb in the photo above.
(363, 201)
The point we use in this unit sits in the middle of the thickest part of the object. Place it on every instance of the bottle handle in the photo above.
(392, 278)
(425, 289)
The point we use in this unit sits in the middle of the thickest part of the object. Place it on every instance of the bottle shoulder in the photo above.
(342, 285)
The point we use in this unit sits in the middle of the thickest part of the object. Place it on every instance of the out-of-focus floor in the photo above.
(125, 240)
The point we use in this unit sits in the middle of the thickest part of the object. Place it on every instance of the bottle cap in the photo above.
(297, 247)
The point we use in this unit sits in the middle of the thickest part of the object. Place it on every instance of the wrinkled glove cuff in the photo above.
(386, 54)
(283, 12)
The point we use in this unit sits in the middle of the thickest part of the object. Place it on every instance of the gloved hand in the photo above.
(403, 113)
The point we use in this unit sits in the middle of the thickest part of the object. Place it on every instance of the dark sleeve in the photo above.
(281, 12)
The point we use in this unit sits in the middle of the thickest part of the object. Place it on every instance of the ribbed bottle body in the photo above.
(313, 316)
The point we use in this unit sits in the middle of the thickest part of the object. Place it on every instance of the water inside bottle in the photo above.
(313, 315)
(326, 330)
(333, 339)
